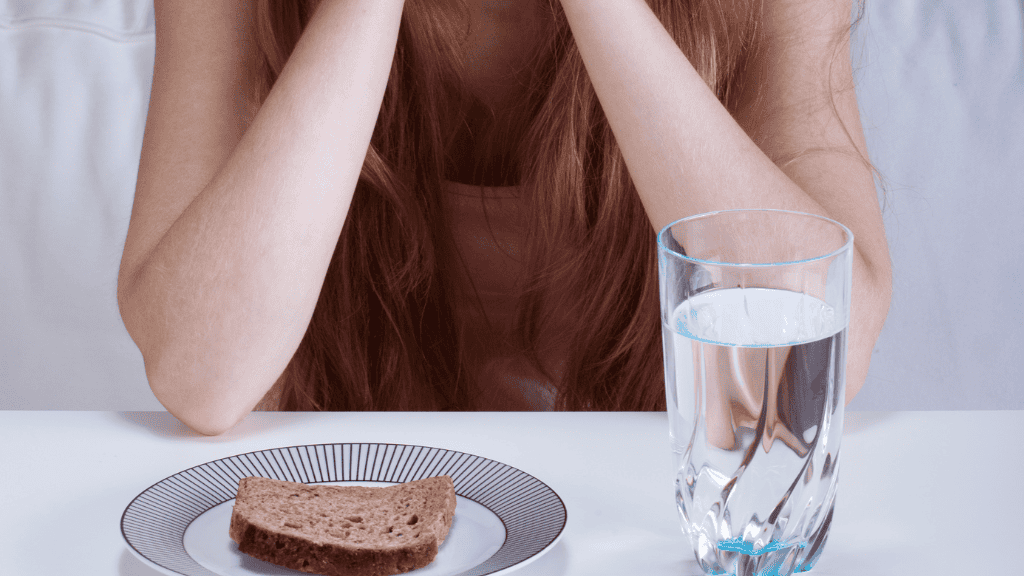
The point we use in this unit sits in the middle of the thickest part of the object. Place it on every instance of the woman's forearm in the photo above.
(219, 305)
(687, 154)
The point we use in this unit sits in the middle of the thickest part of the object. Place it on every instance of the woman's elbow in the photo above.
(192, 382)
(881, 288)
(198, 403)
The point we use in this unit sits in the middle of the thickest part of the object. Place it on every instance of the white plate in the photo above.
(504, 517)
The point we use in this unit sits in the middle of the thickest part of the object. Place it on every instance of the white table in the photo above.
(931, 493)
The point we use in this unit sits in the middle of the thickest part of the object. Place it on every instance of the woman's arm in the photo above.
(687, 154)
(235, 221)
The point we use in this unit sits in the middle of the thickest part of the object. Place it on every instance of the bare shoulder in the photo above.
(799, 105)
(799, 78)
(200, 106)
(205, 51)
(802, 21)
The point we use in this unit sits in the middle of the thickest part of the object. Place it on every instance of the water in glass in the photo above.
(755, 387)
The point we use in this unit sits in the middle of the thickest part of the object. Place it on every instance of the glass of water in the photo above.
(755, 306)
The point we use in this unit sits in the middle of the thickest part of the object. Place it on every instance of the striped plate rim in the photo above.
(154, 523)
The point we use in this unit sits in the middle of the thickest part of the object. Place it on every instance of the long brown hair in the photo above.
(384, 335)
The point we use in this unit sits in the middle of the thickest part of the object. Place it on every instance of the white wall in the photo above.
(942, 96)
(74, 88)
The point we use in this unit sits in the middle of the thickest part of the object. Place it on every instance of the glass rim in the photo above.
(845, 247)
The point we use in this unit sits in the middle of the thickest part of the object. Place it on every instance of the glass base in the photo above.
(736, 557)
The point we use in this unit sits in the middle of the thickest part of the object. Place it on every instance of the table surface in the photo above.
(920, 492)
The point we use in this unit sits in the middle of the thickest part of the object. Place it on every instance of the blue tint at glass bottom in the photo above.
(739, 545)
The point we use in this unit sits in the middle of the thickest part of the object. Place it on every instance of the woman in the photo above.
(445, 204)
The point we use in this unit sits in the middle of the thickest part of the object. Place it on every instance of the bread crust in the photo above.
(262, 536)
(298, 553)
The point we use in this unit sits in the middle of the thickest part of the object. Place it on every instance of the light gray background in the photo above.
(941, 86)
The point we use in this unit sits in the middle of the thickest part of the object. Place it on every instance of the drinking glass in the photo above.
(755, 306)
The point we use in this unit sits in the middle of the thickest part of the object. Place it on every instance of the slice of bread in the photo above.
(343, 530)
